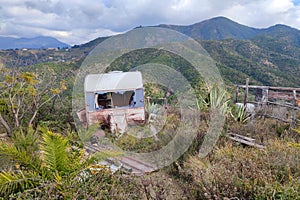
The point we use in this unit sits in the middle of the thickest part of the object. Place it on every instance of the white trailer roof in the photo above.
(113, 81)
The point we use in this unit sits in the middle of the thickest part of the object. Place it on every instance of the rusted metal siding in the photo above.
(284, 95)
(103, 116)
(298, 102)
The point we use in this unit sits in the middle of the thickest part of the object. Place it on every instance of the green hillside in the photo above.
(269, 56)
(218, 28)
(237, 58)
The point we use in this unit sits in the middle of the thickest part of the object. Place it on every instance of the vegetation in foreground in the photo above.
(43, 163)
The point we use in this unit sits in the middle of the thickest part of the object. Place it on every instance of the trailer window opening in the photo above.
(105, 100)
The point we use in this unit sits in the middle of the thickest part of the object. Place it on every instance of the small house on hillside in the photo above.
(115, 98)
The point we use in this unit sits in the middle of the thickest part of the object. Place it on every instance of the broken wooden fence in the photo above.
(266, 96)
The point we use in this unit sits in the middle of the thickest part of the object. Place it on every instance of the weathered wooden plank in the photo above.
(242, 136)
(130, 164)
(271, 116)
(294, 114)
(236, 94)
(287, 105)
(246, 91)
(82, 116)
(138, 167)
(270, 88)
(249, 143)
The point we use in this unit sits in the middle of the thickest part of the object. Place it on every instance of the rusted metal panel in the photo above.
(298, 102)
(288, 95)
(132, 115)
(94, 117)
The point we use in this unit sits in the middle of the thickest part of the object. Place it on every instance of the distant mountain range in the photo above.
(40, 42)
(221, 28)
(269, 56)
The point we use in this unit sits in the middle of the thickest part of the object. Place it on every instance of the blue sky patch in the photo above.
(296, 2)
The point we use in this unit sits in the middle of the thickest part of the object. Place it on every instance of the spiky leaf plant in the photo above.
(54, 164)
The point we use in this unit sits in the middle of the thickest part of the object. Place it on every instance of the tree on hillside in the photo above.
(23, 94)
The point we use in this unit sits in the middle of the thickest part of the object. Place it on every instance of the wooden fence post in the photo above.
(236, 93)
(294, 117)
(246, 92)
(148, 101)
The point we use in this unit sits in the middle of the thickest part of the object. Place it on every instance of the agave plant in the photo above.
(154, 108)
(238, 113)
(219, 99)
(53, 164)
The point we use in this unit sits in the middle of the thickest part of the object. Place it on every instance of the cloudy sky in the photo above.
(79, 21)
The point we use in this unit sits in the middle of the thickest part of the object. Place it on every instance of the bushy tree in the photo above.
(23, 94)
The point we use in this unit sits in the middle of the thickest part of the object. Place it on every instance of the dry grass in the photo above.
(248, 173)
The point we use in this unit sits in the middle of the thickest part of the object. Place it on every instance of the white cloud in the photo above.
(266, 13)
(77, 21)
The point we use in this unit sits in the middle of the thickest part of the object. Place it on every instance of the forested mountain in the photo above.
(218, 28)
(221, 28)
(269, 56)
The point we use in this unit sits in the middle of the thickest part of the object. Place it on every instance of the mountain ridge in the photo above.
(269, 56)
(217, 28)
(220, 28)
(39, 42)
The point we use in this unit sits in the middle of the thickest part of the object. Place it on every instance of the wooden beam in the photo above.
(270, 88)
(294, 116)
(270, 116)
(241, 136)
(284, 105)
(236, 94)
(246, 92)
(247, 142)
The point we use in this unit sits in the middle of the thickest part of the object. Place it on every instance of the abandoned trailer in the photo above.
(114, 98)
